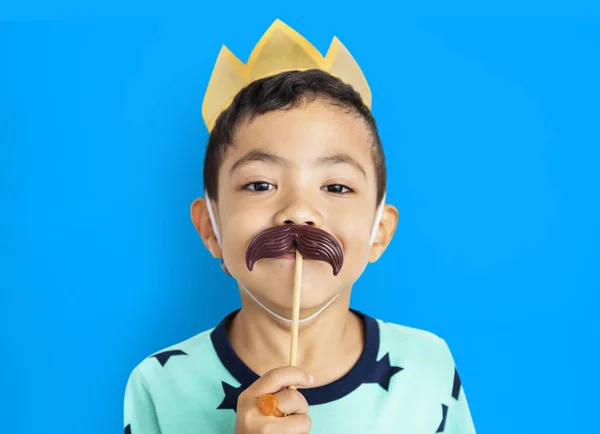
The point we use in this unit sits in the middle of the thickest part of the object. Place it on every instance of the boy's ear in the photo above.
(201, 220)
(385, 232)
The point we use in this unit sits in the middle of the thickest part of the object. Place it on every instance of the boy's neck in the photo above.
(328, 345)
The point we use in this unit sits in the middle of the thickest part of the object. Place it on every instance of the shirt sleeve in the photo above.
(456, 418)
(139, 411)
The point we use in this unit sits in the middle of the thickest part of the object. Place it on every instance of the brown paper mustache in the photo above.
(311, 242)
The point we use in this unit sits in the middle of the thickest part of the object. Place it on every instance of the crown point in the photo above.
(279, 23)
(332, 51)
(340, 63)
(279, 49)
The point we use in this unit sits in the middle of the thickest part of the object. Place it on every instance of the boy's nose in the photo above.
(291, 222)
(299, 213)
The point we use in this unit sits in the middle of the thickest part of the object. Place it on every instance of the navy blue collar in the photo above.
(362, 372)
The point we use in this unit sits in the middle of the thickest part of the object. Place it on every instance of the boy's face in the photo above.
(308, 165)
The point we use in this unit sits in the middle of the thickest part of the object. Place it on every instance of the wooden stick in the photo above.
(296, 311)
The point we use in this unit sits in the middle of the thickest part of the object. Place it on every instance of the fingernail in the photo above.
(311, 379)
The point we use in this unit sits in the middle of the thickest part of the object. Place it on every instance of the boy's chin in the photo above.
(309, 300)
(278, 288)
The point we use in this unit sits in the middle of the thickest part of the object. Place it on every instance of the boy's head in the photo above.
(301, 148)
(287, 91)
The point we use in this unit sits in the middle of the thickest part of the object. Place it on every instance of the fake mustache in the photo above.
(311, 242)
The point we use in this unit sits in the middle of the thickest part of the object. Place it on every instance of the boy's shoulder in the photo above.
(423, 353)
(191, 350)
(407, 331)
(412, 342)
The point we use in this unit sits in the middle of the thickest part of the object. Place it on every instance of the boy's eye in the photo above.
(338, 188)
(258, 186)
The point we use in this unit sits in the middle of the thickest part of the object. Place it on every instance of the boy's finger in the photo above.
(277, 378)
(294, 424)
(292, 402)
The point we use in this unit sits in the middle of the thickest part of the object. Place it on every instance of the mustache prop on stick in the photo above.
(310, 242)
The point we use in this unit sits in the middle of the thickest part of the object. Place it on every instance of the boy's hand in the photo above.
(250, 420)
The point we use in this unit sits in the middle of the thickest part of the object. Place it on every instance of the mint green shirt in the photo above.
(405, 382)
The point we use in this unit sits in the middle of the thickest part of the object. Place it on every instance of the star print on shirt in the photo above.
(128, 429)
(457, 385)
(384, 372)
(443, 422)
(231, 396)
(164, 357)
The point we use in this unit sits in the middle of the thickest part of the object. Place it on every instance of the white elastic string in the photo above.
(377, 220)
(314, 315)
(213, 221)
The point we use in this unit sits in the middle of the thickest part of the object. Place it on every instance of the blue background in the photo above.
(490, 122)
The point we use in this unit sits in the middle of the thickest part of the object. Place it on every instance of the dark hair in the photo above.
(286, 91)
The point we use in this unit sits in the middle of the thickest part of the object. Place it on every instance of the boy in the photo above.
(301, 149)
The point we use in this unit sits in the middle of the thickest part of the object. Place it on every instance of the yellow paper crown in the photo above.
(280, 49)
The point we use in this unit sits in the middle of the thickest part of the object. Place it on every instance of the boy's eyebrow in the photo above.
(268, 157)
(341, 158)
(259, 155)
